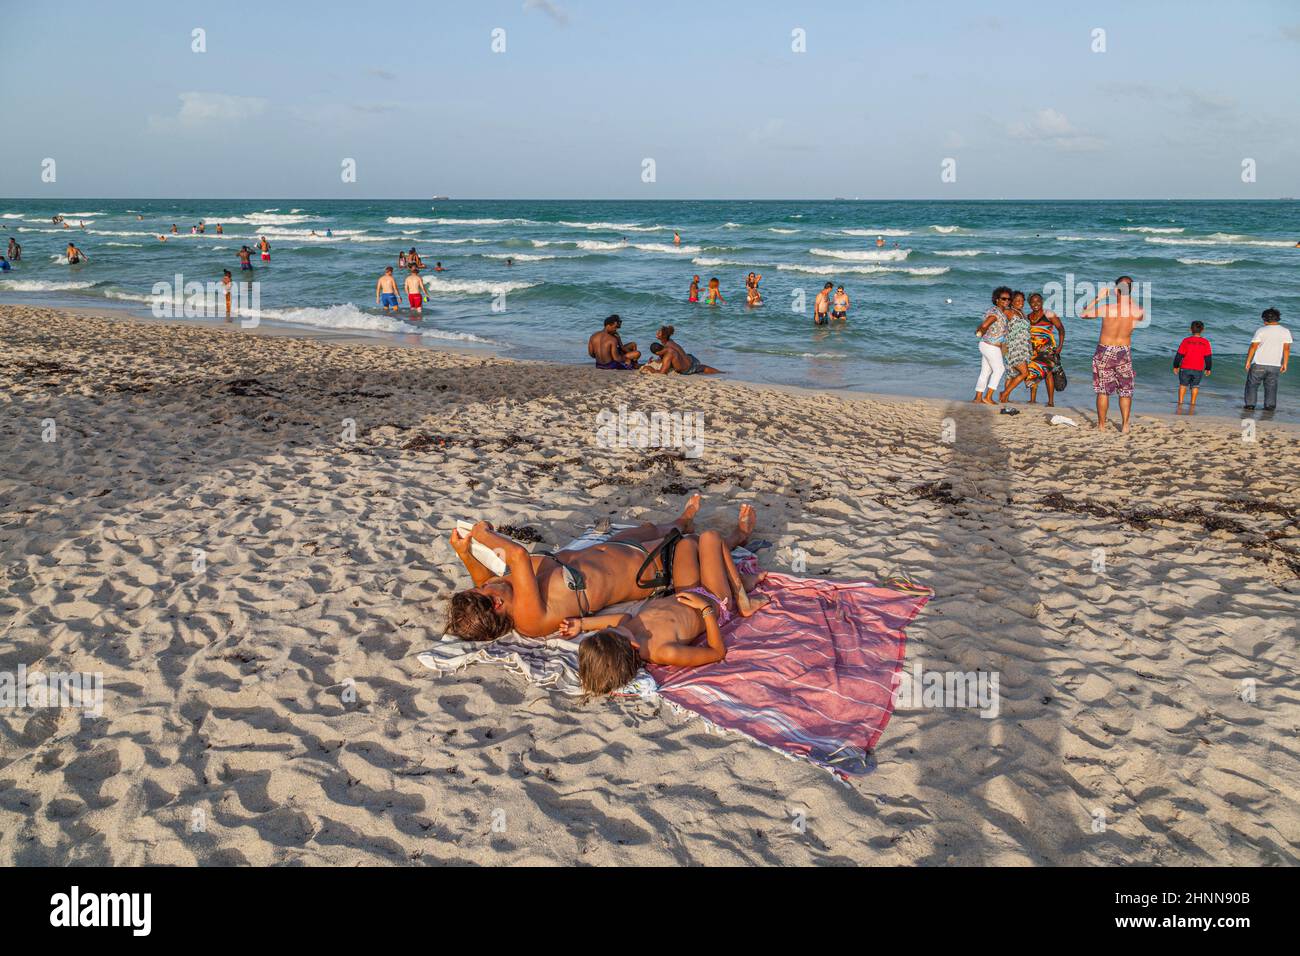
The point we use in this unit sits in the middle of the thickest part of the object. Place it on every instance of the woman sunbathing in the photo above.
(540, 590)
(664, 630)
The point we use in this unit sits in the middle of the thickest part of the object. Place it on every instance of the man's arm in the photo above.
(1091, 313)
(1286, 354)
(1250, 355)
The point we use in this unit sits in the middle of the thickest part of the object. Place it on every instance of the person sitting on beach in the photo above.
(1192, 362)
(715, 292)
(540, 590)
(692, 294)
(840, 304)
(665, 630)
(1112, 363)
(75, 255)
(656, 364)
(677, 359)
(609, 350)
(245, 255)
(416, 291)
(386, 293)
(752, 296)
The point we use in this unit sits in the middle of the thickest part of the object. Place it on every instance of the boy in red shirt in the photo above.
(1192, 363)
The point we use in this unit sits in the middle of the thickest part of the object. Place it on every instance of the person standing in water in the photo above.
(1112, 363)
(715, 292)
(822, 306)
(692, 294)
(245, 256)
(266, 249)
(76, 256)
(840, 304)
(386, 291)
(1192, 362)
(752, 296)
(415, 292)
(677, 239)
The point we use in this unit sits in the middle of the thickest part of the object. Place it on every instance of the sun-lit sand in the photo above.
(255, 587)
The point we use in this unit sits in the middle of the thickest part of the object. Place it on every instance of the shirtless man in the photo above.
(840, 304)
(386, 291)
(608, 349)
(540, 590)
(415, 291)
(1112, 363)
(76, 256)
(822, 307)
(692, 294)
(245, 256)
(266, 249)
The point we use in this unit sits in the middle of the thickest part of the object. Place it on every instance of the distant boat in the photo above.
(440, 199)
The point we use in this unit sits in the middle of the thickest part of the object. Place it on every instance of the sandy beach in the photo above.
(1138, 597)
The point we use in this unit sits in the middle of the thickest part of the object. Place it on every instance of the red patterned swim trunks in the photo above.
(1112, 371)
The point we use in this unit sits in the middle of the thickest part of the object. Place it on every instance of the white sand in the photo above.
(228, 698)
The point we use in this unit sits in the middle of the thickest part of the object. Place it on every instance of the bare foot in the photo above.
(1100, 426)
(751, 581)
(1051, 404)
(745, 523)
(746, 606)
(1123, 429)
(687, 520)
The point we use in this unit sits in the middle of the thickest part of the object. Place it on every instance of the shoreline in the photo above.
(1079, 412)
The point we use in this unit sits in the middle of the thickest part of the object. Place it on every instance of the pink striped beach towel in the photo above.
(811, 674)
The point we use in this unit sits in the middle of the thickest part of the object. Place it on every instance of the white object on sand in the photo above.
(486, 556)
(1063, 420)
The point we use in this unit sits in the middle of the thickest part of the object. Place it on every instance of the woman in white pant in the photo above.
(992, 334)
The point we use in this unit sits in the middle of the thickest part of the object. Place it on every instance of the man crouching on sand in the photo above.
(540, 590)
(1112, 364)
(664, 630)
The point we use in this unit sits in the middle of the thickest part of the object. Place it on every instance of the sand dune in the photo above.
(263, 703)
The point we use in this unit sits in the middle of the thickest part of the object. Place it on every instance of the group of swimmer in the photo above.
(826, 307)
(389, 296)
(689, 582)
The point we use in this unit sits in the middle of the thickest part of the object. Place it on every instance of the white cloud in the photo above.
(201, 110)
(1052, 128)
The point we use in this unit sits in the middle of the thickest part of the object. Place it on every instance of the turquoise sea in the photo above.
(916, 300)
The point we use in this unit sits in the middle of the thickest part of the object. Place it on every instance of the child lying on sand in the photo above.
(664, 631)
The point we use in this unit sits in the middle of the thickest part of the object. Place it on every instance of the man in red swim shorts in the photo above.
(415, 291)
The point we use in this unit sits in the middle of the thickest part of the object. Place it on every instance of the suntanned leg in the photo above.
(685, 523)
(1192, 404)
(745, 522)
(1125, 404)
(686, 564)
(1103, 404)
(1182, 391)
(719, 576)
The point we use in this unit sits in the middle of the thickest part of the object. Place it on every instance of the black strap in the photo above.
(662, 583)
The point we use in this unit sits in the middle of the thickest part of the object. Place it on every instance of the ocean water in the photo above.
(916, 301)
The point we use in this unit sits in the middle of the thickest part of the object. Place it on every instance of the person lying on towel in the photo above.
(666, 629)
(540, 590)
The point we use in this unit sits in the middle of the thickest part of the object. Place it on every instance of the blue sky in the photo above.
(712, 92)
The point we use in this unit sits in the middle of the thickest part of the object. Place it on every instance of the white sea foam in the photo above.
(596, 245)
(1151, 229)
(350, 317)
(127, 296)
(12, 215)
(880, 232)
(863, 255)
(946, 229)
(136, 245)
(41, 285)
(865, 270)
(1088, 239)
(784, 232)
(474, 286)
(731, 225)
(612, 226)
(1207, 262)
(262, 219)
(517, 256)
(407, 220)
(703, 261)
(476, 222)
(961, 252)
(668, 247)
(1222, 239)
